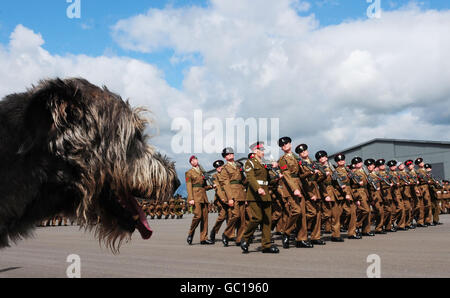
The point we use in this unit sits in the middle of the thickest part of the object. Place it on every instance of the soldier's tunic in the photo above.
(158, 211)
(232, 182)
(220, 199)
(165, 210)
(279, 211)
(313, 198)
(196, 188)
(435, 193)
(424, 187)
(377, 201)
(290, 182)
(328, 189)
(386, 191)
(361, 193)
(179, 207)
(151, 209)
(348, 205)
(260, 205)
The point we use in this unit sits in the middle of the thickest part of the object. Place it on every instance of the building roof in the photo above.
(381, 140)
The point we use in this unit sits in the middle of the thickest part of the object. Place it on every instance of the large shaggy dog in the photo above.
(69, 147)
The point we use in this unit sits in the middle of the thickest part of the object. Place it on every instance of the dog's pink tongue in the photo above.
(143, 227)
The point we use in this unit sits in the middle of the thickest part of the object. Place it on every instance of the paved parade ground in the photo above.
(421, 253)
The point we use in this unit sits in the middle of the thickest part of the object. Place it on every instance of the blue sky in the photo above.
(91, 35)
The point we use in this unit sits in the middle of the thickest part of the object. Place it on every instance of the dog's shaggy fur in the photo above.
(69, 147)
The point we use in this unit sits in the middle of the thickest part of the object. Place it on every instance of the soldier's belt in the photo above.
(295, 176)
(235, 182)
(197, 185)
(260, 182)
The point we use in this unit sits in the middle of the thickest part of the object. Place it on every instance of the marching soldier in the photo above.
(386, 190)
(221, 200)
(424, 181)
(165, 210)
(309, 176)
(259, 201)
(172, 208)
(361, 193)
(291, 190)
(407, 191)
(349, 204)
(196, 188)
(418, 210)
(397, 207)
(179, 207)
(232, 181)
(376, 197)
(332, 198)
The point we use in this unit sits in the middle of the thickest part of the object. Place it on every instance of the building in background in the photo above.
(433, 152)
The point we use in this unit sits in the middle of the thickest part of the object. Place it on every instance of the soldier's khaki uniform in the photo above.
(221, 200)
(158, 211)
(165, 210)
(333, 208)
(361, 193)
(233, 182)
(279, 210)
(311, 190)
(172, 208)
(196, 188)
(348, 205)
(290, 182)
(151, 209)
(260, 206)
(377, 201)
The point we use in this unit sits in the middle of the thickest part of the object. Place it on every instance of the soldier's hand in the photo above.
(298, 193)
(328, 199)
(316, 171)
(261, 192)
(348, 197)
(275, 164)
(358, 203)
(328, 173)
(361, 183)
(314, 198)
(231, 203)
(344, 186)
(192, 202)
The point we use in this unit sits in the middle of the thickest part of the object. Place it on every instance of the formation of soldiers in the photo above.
(175, 208)
(301, 199)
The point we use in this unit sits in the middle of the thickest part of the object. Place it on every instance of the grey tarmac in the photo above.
(424, 253)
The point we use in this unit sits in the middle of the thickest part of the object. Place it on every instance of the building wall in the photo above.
(431, 153)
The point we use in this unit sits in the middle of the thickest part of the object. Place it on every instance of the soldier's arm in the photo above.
(189, 188)
(287, 175)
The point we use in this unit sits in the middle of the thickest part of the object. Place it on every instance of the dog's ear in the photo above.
(51, 109)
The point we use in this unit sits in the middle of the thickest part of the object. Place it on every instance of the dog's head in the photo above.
(89, 153)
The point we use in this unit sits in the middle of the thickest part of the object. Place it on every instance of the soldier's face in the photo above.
(371, 168)
(287, 147)
(229, 157)
(359, 166)
(401, 167)
(304, 154)
(422, 164)
(411, 167)
(428, 170)
(323, 160)
(393, 168)
(219, 169)
(382, 168)
(194, 162)
(341, 163)
(259, 153)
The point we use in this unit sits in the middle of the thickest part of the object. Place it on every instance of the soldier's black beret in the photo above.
(321, 154)
(283, 141)
(428, 166)
(419, 161)
(339, 157)
(218, 164)
(391, 163)
(380, 162)
(301, 148)
(227, 151)
(356, 160)
(408, 163)
(369, 162)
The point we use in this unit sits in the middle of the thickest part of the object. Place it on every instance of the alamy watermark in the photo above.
(74, 9)
(211, 135)
(374, 269)
(74, 269)
(374, 9)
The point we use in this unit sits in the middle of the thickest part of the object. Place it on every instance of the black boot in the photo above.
(189, 239)
(244, 247)
(303, 244)
(212, 236)
(271, 250)
(285, 241)
(225, 240)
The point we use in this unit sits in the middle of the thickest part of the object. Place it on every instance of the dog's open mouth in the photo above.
(130, 204)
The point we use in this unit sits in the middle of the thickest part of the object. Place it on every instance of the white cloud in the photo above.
(263, 59)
